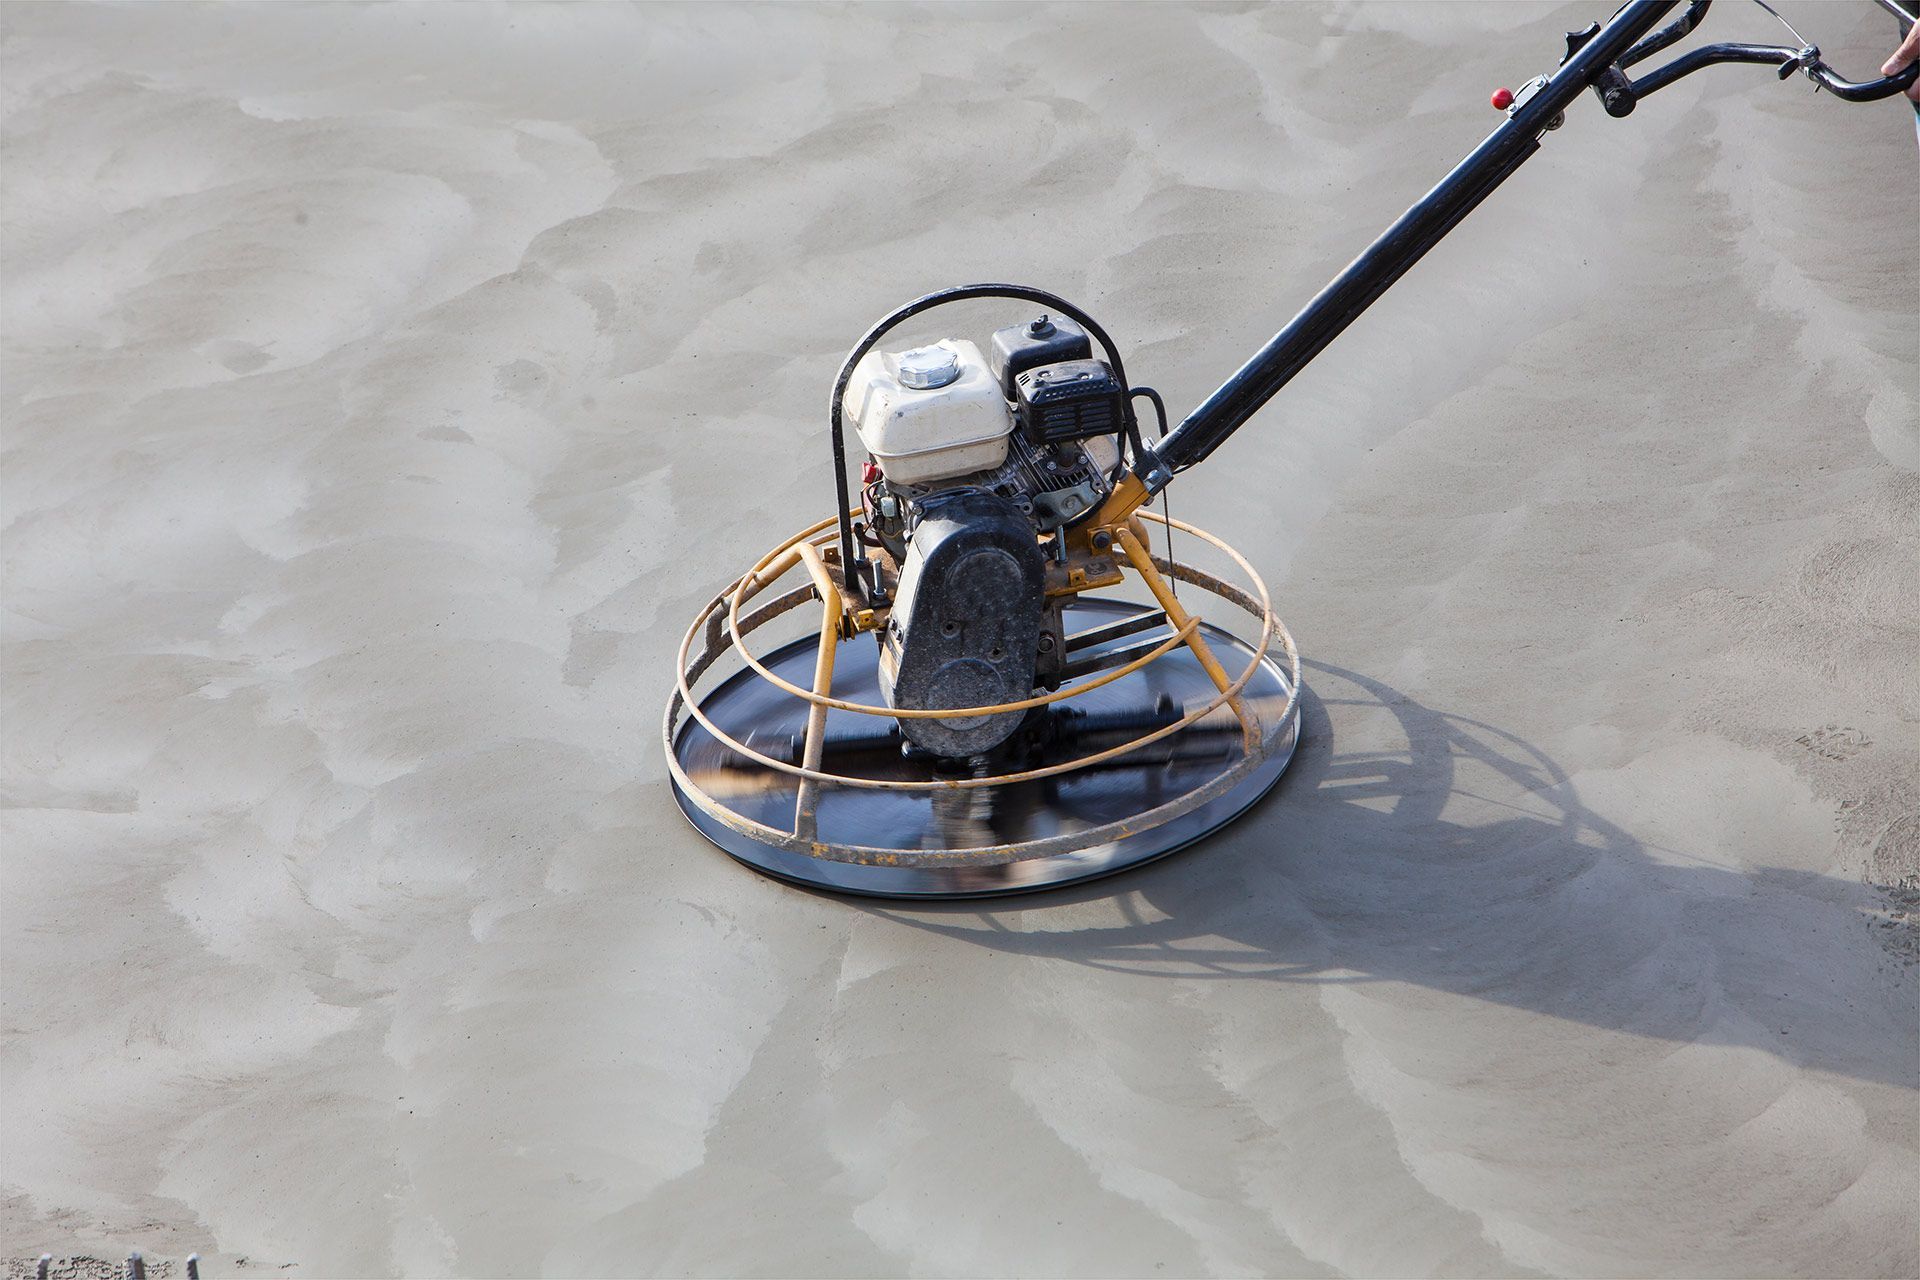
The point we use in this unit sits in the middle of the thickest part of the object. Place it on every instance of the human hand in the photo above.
(1903, 57)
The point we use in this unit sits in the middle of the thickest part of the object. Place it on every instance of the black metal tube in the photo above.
(1766, 55)
(1866, 90)
(1906, 14)
(1788, 60)
(1667, 35)
(1398, 248)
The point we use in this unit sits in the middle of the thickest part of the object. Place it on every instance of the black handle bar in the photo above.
(1788, 60)
(1596, 59)
(1866, 91)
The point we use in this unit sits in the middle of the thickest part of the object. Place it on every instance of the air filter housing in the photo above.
(1072, 400)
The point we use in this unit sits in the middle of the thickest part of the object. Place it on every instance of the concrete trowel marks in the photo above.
(384, 388)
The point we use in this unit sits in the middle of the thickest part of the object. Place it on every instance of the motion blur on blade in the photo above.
(1010, 672)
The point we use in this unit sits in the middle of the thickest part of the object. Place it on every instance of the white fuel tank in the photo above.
(929, 414)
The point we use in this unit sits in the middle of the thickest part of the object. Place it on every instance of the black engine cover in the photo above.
(966, 621)
(1069, 401)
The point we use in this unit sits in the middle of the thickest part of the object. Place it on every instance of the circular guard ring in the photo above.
(1180, 730)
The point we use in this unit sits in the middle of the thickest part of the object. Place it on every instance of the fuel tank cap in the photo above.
(925, 368)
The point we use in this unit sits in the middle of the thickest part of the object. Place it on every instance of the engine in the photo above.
(978, 463)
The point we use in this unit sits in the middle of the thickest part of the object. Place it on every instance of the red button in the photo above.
(870, 472)
(1502, 99)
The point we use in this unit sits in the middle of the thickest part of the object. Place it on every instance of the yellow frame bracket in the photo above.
(1133, 543)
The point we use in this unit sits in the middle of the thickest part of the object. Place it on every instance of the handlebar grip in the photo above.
(1868, 91)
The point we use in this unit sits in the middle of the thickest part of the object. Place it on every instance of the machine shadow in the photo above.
(1429, 849)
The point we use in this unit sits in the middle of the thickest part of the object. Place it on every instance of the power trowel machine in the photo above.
(1013, 683)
